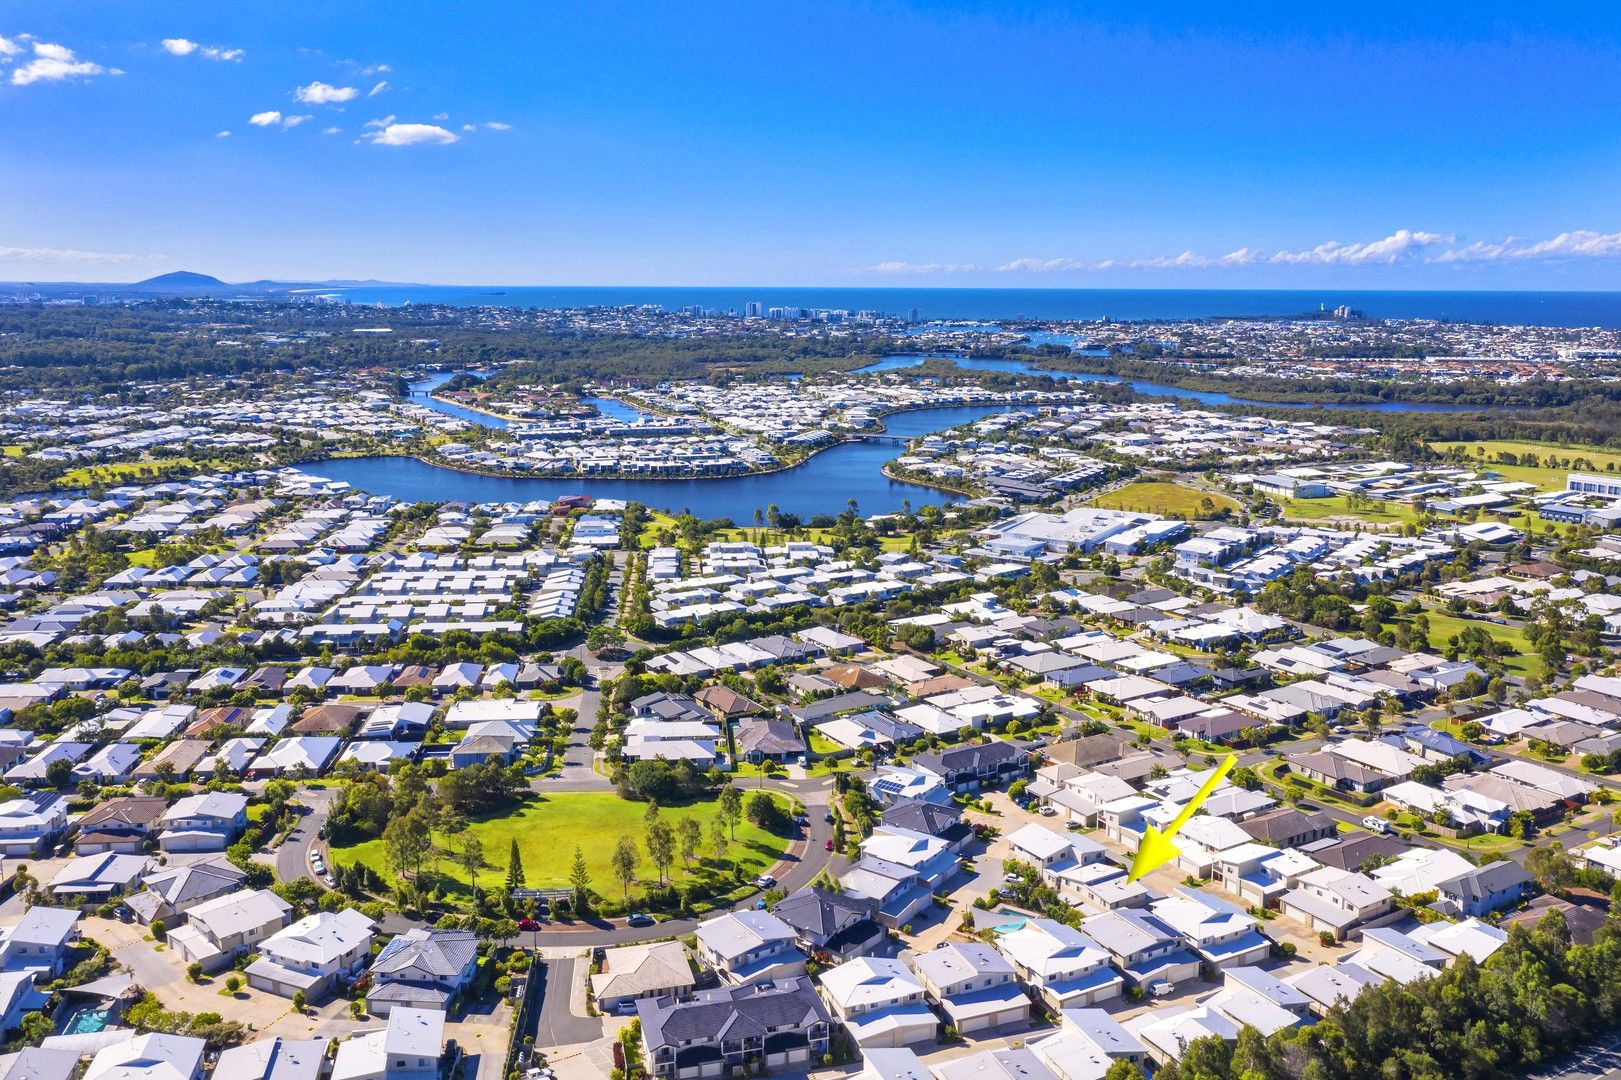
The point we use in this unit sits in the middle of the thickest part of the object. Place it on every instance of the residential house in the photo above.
(749, 946)
(218, 931)
(422, 969)
(1065, 967)
(633, 972)
(831, 926)
(725, 1031)
(209, 821)
(313, 954)
(974, 985)
(880, 1003)
(120, 825)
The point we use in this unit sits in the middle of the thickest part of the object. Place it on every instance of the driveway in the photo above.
(557, 1025)
(293, 857)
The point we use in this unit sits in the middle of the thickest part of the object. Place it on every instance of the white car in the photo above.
(1161, 989)
(764, 881)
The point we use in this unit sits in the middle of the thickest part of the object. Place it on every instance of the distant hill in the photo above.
(180, 280)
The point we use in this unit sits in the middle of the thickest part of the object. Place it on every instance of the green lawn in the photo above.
(1336, 509)
(119, 471)
(11, 450)
(658, 521)
(548, 828)
(1521, 659)
(1548, 478)
(1170, 500)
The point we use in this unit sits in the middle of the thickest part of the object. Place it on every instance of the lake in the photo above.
(901, 362)
(852, 470)
(422, 391)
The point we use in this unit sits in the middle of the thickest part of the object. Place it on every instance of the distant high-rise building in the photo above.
(752, 309)
(914, 316)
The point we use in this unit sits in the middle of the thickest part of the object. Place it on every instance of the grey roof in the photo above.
(1486, 881)
(36, 1063)
(737, 932)
(275, 1058)
(204, 878)
(931, 819)
(420, 953)
(730, 1013)
(819, 913)
(994, 753)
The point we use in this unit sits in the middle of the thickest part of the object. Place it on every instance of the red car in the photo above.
(828, 845)
(528, 924)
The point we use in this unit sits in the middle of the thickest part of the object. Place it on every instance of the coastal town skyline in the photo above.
(977, 145)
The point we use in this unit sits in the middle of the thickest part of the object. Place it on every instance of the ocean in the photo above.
(1518, 308)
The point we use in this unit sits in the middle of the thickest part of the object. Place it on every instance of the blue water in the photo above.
(421, 394)
(1524, 308)
(88, 1020)
(901, 362)
(821, 485)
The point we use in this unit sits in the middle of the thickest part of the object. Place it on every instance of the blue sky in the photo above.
(1019, 145)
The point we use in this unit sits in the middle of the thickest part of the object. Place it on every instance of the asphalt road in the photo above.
(557, 1025)
(293, 858)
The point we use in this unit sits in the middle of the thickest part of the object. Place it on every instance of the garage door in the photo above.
(788, 1057)
(1010, 1016)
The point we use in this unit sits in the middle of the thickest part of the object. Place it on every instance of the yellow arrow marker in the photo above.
(1156, 849)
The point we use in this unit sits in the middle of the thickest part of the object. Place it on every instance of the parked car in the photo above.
(1374, 823)
(764, 881)
(1161, 989)
(640, 919)
(827, 844)
(528, 925)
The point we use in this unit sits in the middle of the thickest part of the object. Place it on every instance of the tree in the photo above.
(299, 1001)
(515, 876)
(1124, 1070)
(624, 863)
(690, 834)
(661, 845)
(233, 983)
(59, 772)
(579, 880)
(718, 838)
(766, 812)
(470, 856)
(730, 810)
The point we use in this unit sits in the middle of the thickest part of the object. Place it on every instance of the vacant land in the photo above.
(1169, 500)
(1554, 462)
(549, 828)
(1336, 509)
(1520, 659)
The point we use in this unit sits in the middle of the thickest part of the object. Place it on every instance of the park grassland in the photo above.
(658, 521)
(549, 827)
(1336, 508)
(1547, 478)
(1166, 499)
(1520, 659)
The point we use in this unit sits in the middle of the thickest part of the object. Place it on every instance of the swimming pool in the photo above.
(87, 1019)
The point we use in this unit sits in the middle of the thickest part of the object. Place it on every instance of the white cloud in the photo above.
(53, 63)
(179, 46)
(1041, 266)
(1576, 244)
(294, 121)
(381, 123)
(8, 47)
(441, 116)
(896, 266)
(1399, 245)
(265, 119)
(469, 127)
(497, 125)
(378, 89)
(332, 131)
(320, 93)
(222, 135)
(62, 255)
(414, 135)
